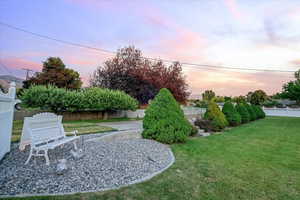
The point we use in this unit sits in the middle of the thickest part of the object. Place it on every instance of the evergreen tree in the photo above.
(243, 112)
(164, 120)
(214, 114)
(232, 116)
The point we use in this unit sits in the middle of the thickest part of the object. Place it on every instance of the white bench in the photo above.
(43, 132)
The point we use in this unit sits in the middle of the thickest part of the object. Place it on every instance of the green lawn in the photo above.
(259, 160)
(83, 127)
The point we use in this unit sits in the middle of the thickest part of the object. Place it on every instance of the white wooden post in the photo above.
(7, 106)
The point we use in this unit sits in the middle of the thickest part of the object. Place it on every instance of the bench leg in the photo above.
(47, 157)
(29, 157)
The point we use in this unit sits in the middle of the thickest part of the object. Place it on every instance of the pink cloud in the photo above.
(234, 9)
(184, 45)
(175, 41)
(19, 63)
(232, 83)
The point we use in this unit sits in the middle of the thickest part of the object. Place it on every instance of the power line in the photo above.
(6, 68)
(187, 64)
(57, 40)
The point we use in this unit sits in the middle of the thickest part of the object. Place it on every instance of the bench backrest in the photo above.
(45, 127)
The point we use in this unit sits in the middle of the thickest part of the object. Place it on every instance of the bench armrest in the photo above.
(72, 132)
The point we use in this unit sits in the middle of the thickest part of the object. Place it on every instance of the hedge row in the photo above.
(92, 99)
(215, 120)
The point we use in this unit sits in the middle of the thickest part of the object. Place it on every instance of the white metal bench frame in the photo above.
(46, 132)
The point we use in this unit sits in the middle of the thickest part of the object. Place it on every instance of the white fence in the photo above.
(194, 111)
(287, 112)
(188, 111)
(7, 104)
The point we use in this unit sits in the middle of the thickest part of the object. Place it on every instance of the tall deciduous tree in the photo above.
(140, 77)
(54, 72)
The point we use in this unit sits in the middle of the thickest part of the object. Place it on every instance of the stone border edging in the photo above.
(146, 178)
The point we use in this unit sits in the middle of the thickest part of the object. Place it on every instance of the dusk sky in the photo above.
(262, 34)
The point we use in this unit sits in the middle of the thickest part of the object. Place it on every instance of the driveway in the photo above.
(125, 125)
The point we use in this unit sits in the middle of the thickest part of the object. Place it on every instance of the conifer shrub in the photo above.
(254, 108)
(251, 112)
(231, 114)
(260, 112)
(243, 112)
(164, 120)
(215, 115)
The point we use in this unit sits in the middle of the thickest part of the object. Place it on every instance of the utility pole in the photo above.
(27, 72)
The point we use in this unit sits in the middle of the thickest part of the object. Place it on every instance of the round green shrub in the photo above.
(254, 108)
(251, 112)
(243, 112)
(260, 112)
(164, 120)
(215, 115)
(91, 99)
(231, 114)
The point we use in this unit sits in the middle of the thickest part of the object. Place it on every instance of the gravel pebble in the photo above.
(105, 165)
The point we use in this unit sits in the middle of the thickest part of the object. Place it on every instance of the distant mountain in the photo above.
(5, 80)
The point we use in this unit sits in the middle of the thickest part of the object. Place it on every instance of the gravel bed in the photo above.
(105, 165)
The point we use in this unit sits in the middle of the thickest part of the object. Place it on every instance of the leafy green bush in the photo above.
(251, 112)
(92, 99)
(164, 120)
(232, 115)
(106, 99)
(242, 110)
(215, 115)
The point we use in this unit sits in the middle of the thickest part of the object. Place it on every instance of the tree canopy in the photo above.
(258, 97)
(291, 90)
(54, 72)
(208, 95)
(141, 78)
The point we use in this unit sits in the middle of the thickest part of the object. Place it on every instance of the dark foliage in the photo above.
(141, 78)
(204, 124)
